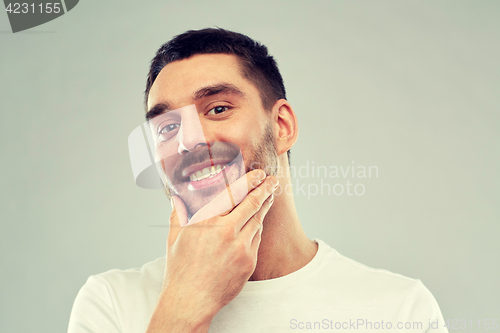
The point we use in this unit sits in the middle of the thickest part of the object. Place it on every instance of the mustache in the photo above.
(208, 152)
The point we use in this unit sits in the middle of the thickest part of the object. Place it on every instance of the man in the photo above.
(237, 257)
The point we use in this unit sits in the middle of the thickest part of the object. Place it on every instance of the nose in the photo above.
(190, 133)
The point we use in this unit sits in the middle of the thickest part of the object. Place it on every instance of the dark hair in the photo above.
(257, 65)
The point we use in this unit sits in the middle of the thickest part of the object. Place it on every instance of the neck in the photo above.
(284, 247)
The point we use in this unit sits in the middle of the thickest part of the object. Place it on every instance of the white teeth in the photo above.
(206, 172)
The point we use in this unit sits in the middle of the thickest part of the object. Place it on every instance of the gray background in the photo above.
(411, 87)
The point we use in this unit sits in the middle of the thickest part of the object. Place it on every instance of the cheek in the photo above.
(245, 132)
(244, 139)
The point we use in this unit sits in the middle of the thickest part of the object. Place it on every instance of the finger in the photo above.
(240, 188)
(254, 201)
(256, 241)
(178, 219)
(253, 227)
(258, 235)
(225, 202)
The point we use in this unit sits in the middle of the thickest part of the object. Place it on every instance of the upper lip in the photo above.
(188, 171)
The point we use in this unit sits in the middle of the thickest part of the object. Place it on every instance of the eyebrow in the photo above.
(221, 88)
(156, 110)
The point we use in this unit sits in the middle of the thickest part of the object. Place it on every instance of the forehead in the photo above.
(178, 80)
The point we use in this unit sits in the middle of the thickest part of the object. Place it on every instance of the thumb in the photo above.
(178, 219)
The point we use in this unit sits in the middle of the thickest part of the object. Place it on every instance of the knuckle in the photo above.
(257, 190)
(255, 221)
(243, 258)
(254, 183)
(256, 224)
(241, 248)
(241, 251)
(254, 201)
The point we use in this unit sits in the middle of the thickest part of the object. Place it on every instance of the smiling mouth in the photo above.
(207, 172)
(206, 166)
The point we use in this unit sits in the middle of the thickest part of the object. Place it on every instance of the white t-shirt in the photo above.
(331, 293)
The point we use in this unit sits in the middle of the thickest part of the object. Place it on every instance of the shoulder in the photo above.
(342, 267)
(356, 288)
(106, 300)
(373, 285)
(150, 274)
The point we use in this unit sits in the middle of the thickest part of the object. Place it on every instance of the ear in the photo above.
(286, 124)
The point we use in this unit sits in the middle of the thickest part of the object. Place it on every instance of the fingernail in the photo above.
(262, 176)
(276, 185)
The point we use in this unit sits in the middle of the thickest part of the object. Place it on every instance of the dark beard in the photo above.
(266, 157)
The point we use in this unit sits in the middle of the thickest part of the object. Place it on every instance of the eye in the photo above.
(218, 109)
(168, 128)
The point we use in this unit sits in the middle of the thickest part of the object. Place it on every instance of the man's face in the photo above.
(210, 119)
